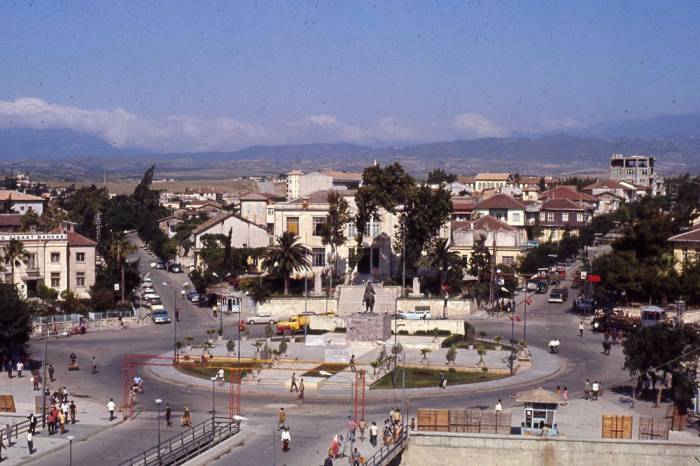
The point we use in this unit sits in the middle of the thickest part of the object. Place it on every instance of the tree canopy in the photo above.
(15, 322)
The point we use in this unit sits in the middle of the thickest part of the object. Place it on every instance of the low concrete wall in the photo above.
(456, 308)
(91, 325)
(448, 449)
(412, 326)
(285, 307)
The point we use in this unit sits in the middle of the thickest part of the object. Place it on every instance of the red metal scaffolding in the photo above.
(359, 395)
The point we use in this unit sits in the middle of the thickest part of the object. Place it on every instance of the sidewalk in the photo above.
(91, 417)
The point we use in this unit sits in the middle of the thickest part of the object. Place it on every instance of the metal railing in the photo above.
(19, 428)
(186, 445)
(387, 453)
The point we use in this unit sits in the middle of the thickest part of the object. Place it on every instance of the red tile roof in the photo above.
(487, 222)
(6, 195)
(499, 201)
(564, 192)
(561, 204)
(692, 236)
(606, 184)
(76, 239)
(462, 205)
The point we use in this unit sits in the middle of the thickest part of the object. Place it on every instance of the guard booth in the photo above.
(652, 316)
(540, 411)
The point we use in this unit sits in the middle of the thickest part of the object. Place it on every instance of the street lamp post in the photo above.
(158, 402)
(43, 377)
(213, 411)
(70, 450)
(177, 318)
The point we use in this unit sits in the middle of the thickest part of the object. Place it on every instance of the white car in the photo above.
(261, 319)
(160, 317)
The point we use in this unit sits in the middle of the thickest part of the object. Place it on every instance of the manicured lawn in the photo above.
(421, 378)
(196, 370)
(333, 368)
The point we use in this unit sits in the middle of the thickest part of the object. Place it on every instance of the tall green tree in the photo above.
(286, 256)
(333, 232)
(480, 260)
(441, 258)
(439, 175)
(30, 221)
(15, 322)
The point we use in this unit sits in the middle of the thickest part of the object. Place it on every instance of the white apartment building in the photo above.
(62, 260)
(635, 169)
(20, 203)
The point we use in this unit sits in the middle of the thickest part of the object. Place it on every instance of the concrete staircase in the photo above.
(350, 300)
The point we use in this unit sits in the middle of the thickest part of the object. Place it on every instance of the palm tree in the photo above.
(286, 256)
(441, 257)
(12, 252)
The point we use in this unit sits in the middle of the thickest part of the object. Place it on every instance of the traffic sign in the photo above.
(583, 275)
(594, 278)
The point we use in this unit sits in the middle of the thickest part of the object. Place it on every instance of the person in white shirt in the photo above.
(499, 406)
(110, 407)
(373, 432)
(20, 368)
(286, 439)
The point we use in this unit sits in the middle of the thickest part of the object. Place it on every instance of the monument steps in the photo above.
(350, 300)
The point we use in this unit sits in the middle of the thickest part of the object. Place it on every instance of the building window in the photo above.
(542, 217)
(550, 216)
(80, 257)
(55, 279)
(579, 217)
(372, 229)
(565, 217)
(318, 225)
(508, 260)
(80, 279)
(352, 231)
(319, 257)
(293, 225)
(516, 216)
(55, 257)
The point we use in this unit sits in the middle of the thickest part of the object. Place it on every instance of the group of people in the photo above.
(592, 390)
(11, 366)
(299, 388)
(58, 416)
(553, 345)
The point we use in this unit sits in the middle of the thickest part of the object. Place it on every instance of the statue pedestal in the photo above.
(368, 327)
(415, 291)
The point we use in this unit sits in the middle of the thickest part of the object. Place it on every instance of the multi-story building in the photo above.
(293, 178)
(62, 260)
(504, 208)
(504, 242)
(20, 203)
(560, 215)
(484, 181)
(635, 169)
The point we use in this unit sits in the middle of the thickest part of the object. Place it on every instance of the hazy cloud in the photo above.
(180, 133)
(477, 125)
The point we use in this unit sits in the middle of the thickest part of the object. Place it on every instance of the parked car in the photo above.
(584, 304)
(416, 314)
(154, 302)
(542, 287)
(175, 267)
(261, 319)
(192, 296)
(558, 295)
(160, 317)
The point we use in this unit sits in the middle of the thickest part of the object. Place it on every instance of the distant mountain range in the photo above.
(67, 154)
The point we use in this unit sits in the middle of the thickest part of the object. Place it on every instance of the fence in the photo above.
(15, 430)
(187, 445)
(387, 453)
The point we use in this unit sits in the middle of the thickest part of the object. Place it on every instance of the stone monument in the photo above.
(415, 292)
(318, 286)
(368, 327)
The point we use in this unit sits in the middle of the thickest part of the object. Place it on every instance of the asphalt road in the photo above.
(313, 422)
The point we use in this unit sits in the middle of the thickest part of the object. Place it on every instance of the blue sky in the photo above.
(222, 75)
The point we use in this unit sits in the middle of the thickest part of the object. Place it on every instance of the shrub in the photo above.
(230, 346)
(403, 332)
(420, 332)
(452, 370)
(468, 331)
(498, 339)
(451, 355)
(452, 340)
(283, 347)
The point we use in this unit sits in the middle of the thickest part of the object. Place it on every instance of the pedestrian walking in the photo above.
(30, 442)
(587, 390)
(558, 390)
(51, 421)
(328, 461)
(373, 432)
(51, 372)
(62, 421)
(65, 395)
(556, 345)
(362, 426)
(73, 410)
(281, 418)
(413, 423)
(499, 406)
(110, 407)
(580, 329)
(355, 457)
(94, 365)
(595, 388)
(352, 363)
(286, 439)
(32, 423)
(443, 380)
(565, 395)
(293, 386)
(186, 420)
(301, 389)
(8, 367)
(20, 368)
(35, 383)
(168, 415)
(551, 345)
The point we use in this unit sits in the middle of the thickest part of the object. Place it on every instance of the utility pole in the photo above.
(43, 377)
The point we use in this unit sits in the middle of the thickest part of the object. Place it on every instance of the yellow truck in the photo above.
(293, 324)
